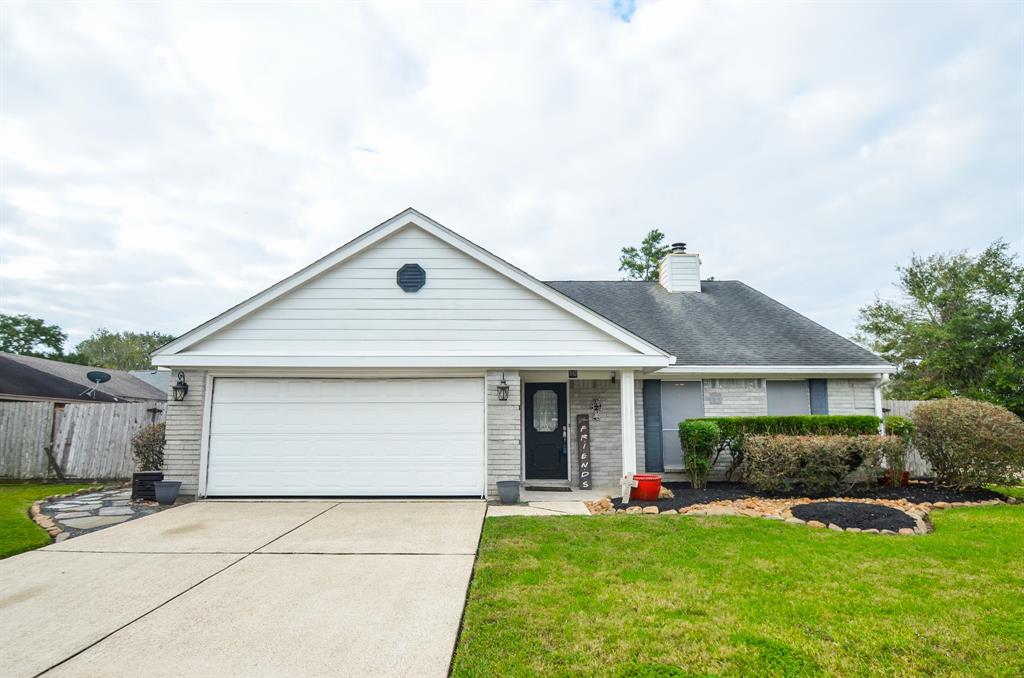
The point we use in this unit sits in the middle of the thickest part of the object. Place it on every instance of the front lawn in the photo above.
(671, 596)
(17, 531)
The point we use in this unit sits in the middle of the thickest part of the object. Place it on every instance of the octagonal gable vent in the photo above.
(411, 277)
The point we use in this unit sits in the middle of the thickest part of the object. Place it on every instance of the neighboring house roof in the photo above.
(42, 379)
(726, 323)
(158, 379)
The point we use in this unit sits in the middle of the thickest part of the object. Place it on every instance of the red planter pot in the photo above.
(648, 487)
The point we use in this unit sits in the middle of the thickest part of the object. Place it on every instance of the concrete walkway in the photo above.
(299, 588)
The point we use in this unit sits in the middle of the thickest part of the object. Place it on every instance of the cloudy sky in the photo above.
(162, 162)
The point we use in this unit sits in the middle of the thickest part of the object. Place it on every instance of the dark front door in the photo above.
(547, 451)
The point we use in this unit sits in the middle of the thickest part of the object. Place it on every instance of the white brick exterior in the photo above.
(606, 432)
(735, 398)
(504, 431)
(184, 434)
(851, 396)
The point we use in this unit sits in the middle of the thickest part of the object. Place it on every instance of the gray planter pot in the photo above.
(167, 490)
(508, 491)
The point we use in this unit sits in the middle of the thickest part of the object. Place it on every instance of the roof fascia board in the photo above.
(748, 370)
(624, 361)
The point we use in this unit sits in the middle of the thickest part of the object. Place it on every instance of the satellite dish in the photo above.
(97, 378)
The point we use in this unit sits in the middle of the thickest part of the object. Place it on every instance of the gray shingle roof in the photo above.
(727, 323)
(42, 378)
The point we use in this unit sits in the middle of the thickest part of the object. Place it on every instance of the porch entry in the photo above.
(546, 437)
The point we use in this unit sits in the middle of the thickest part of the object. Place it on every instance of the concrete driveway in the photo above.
(246, 588)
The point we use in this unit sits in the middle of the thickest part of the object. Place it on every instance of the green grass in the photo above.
(1008, 490)
(669, 596)
(17, 531)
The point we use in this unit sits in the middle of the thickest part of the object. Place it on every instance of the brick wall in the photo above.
(735, 398)
(504, 431)
(184, 434)
(606, 432)
(851, 396)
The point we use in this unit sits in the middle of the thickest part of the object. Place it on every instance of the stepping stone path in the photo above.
(75, 515)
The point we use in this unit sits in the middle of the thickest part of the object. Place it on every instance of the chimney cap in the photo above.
(679, 248)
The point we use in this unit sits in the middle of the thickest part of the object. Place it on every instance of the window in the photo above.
(545, 411)
(788, 397)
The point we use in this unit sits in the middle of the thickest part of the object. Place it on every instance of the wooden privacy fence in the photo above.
(917, 466)
(84, 440)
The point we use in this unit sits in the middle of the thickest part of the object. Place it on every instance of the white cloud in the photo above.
(163, 161)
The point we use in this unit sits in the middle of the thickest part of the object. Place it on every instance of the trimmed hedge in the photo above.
(735, 429)
(699, 439)
(814, 464)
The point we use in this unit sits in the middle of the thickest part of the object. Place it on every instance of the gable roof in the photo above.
(169, 354)
(39, 378)
(726, 324)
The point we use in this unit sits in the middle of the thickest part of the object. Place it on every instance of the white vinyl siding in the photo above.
(465, 308)
(359, 437)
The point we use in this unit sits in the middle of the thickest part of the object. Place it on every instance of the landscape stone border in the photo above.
(65, 515)
(781, 510)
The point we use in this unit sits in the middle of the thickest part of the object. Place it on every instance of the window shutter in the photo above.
(653, 460)
(819, 395)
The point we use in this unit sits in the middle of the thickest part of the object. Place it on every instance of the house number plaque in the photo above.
(583, 445)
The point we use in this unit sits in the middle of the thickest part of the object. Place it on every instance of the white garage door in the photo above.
(346, 437)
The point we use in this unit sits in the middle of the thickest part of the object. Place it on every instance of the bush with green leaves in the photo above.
(814, 464)
(699, 439)
(148, 447)
(900, 428)
(735, 429)
(970, 443)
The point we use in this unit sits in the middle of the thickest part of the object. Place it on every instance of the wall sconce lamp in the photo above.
(595, 409)
(181, 388)
(502, 388)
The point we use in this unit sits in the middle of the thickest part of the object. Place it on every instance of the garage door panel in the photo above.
(317, 438)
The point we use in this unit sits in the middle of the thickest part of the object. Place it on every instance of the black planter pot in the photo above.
(167, 490)
(142, 484)
(508, 491)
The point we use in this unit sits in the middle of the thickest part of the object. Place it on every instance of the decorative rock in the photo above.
(668, 512)
(634, 509)
(61, 537)
(906, 530)
(853, 529)
(834, 527)
(815, 523)
(941, 504)
(772, 517)
(650, 509)
(72, 514)
(697, 512)
(94, 521)
(886, 532)
(115, 511)
(871, 531)
(795, 521)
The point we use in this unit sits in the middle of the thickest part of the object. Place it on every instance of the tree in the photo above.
(119, 350)
(25, 335)
(642, 263)
(957, 330)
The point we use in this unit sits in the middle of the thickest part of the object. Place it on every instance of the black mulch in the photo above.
(852, 514)
(915, 492)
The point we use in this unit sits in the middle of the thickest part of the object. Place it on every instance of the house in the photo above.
(411, 361)
(28, 378)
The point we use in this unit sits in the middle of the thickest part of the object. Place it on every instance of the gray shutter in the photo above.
(819, 395)
(653, 460)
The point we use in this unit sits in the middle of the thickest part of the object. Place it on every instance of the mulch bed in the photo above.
(853, 514)
(915, 492)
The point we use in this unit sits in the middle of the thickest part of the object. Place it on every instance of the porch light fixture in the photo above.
(595, 409)
(502, 388)
(181, 388)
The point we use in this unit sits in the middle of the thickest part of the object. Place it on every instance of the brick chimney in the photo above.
(679, 271)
